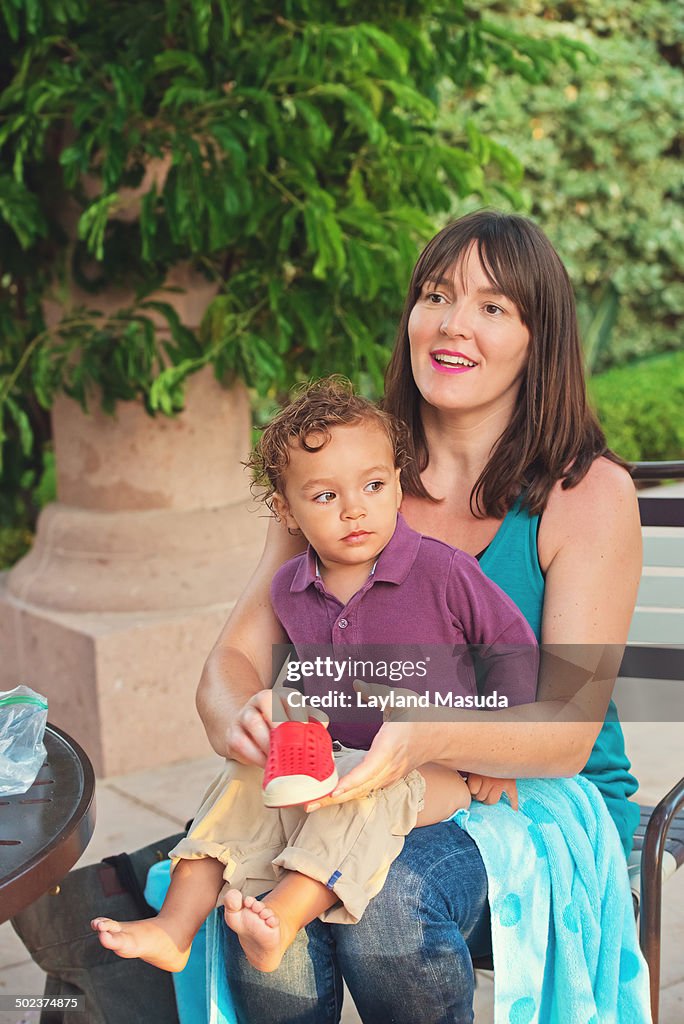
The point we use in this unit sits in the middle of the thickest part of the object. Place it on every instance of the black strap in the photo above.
(125, 872)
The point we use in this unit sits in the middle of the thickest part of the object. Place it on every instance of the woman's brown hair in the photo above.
(553, 434)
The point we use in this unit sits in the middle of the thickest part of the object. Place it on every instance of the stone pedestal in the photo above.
(133, 572)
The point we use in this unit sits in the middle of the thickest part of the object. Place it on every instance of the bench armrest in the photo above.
(651, 883)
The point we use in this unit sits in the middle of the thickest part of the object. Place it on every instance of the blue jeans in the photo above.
(407, 961)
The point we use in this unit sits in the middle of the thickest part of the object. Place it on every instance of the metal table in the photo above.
(44, 831)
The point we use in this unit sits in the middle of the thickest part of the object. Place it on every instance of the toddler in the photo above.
(331, 464)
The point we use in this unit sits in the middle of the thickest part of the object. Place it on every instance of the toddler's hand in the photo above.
(248, 737)
(488, 790)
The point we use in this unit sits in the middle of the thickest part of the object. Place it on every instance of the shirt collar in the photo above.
(396, 560)
(306, 572)
(392, 566)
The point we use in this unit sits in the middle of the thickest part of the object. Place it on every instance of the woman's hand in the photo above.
(488, 790)
(397, 749)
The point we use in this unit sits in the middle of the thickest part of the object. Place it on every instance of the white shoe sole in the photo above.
(290, 790)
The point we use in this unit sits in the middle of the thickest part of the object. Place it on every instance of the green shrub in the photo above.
(291, 152)
(640, 408)
(14, 542)
(28, 485)
(601, 144)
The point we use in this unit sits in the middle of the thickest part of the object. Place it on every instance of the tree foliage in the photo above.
(602, 145)
(303, 155)
(293, 153)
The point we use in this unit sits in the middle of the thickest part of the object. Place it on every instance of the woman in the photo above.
(487, 372)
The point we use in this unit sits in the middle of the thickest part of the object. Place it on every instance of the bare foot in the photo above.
(263, 936)
(147, 940)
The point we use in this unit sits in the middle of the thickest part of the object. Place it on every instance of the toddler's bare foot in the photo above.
(147, 940)
(263, 936)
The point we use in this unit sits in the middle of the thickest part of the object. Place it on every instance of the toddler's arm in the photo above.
(488, 790)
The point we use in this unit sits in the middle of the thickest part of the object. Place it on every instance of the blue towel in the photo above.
(563, 933)
(221, 1009)
(202, 993)
(189, 984)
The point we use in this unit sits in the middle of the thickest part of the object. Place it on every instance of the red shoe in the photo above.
(300, 764)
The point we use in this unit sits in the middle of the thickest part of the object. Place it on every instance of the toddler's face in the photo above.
(344, 497)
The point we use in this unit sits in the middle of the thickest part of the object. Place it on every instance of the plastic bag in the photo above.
(23, 716)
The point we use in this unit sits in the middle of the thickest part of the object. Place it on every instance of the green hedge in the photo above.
(601, 145)
(292, 153)
(640, 408)
(14, 542)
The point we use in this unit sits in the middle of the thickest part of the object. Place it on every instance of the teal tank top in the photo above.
(512, 562)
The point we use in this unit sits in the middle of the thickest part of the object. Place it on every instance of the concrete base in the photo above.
(143, 561)
(133, 572)
(122, 684)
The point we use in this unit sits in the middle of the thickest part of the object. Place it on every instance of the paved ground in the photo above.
(136, 809)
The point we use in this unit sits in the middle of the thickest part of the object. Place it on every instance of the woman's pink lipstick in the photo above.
(445, 368)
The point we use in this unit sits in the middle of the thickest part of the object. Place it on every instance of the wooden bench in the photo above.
(661, 829)
(656, 654)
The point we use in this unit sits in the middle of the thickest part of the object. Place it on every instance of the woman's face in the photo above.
(469, 346)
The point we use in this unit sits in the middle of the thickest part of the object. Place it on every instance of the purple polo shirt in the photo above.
(423, 594)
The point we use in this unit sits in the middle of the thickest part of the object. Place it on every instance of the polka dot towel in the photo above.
(563, 933)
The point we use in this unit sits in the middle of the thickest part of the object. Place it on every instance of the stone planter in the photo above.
(134, 570)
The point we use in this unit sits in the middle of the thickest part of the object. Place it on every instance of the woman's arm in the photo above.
(590, 549)
(231, 697)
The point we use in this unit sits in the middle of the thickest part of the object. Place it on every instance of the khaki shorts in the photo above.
(348, 847)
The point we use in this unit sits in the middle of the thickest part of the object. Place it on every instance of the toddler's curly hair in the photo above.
(316, 408)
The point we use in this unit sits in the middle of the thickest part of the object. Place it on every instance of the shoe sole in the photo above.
(290, 790)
